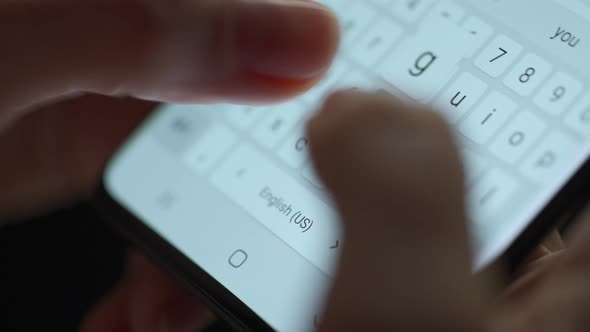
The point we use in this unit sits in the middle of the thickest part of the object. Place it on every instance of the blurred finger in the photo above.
(57, 154)
(559, 303)
(554, 242)
(147, 300)
(181, 50)
(540, 258)
(396, 178)
(555, 294)
(533, 276)
(112, 313)
(578, 257)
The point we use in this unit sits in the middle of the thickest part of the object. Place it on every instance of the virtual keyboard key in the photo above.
(518, 137)
(579, 117)
(423, 64)
(488, 118)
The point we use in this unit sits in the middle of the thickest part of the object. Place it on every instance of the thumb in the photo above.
(578, 255)
(177, 51)
(396, 178)
(555, 297)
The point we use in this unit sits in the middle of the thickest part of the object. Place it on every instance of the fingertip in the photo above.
(248, 52)
(282, 87)
(290, 39)
(349, 112)
(341, 136)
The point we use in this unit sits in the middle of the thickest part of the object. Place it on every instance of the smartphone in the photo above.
(226, 198)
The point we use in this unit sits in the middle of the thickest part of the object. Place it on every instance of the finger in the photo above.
(362, 144)
(558, 302)
(181, 50)
(578, 257)
(147, 300)
(555, 294)
(533, 276)
(552, 246)
(554, 242)
(57, 154)
(396, 178)
(539, 253)
(556, 305)
(159, 303)
(112, 313)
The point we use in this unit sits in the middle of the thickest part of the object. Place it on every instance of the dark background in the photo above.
(53, 269)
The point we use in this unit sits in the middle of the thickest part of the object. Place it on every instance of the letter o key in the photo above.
(301, 144)
(517, 138)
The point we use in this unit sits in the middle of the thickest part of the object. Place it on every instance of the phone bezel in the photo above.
(219, 299)
(565, 205)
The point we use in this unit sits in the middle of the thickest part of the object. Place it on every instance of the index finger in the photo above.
(397, 181)
(175, 51)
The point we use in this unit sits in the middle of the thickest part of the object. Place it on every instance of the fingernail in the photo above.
(288, 38)
(186, 315)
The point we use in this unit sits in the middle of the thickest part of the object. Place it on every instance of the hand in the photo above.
(553, 293)
(195, 51)
(396, 178)
(59, 56)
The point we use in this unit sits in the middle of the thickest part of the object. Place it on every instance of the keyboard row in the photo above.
(369, 40)
(509, 134)
(216, 143)
(279, 132)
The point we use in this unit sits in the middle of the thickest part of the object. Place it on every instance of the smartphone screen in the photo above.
(233, 189)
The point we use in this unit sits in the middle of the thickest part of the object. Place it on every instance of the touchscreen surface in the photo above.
(233, 189)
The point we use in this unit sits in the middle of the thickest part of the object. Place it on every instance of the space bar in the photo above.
(282, 205)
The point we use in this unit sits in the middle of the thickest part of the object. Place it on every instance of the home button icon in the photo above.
(238, 258)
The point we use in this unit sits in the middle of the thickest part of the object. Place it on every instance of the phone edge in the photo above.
(217, 297)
